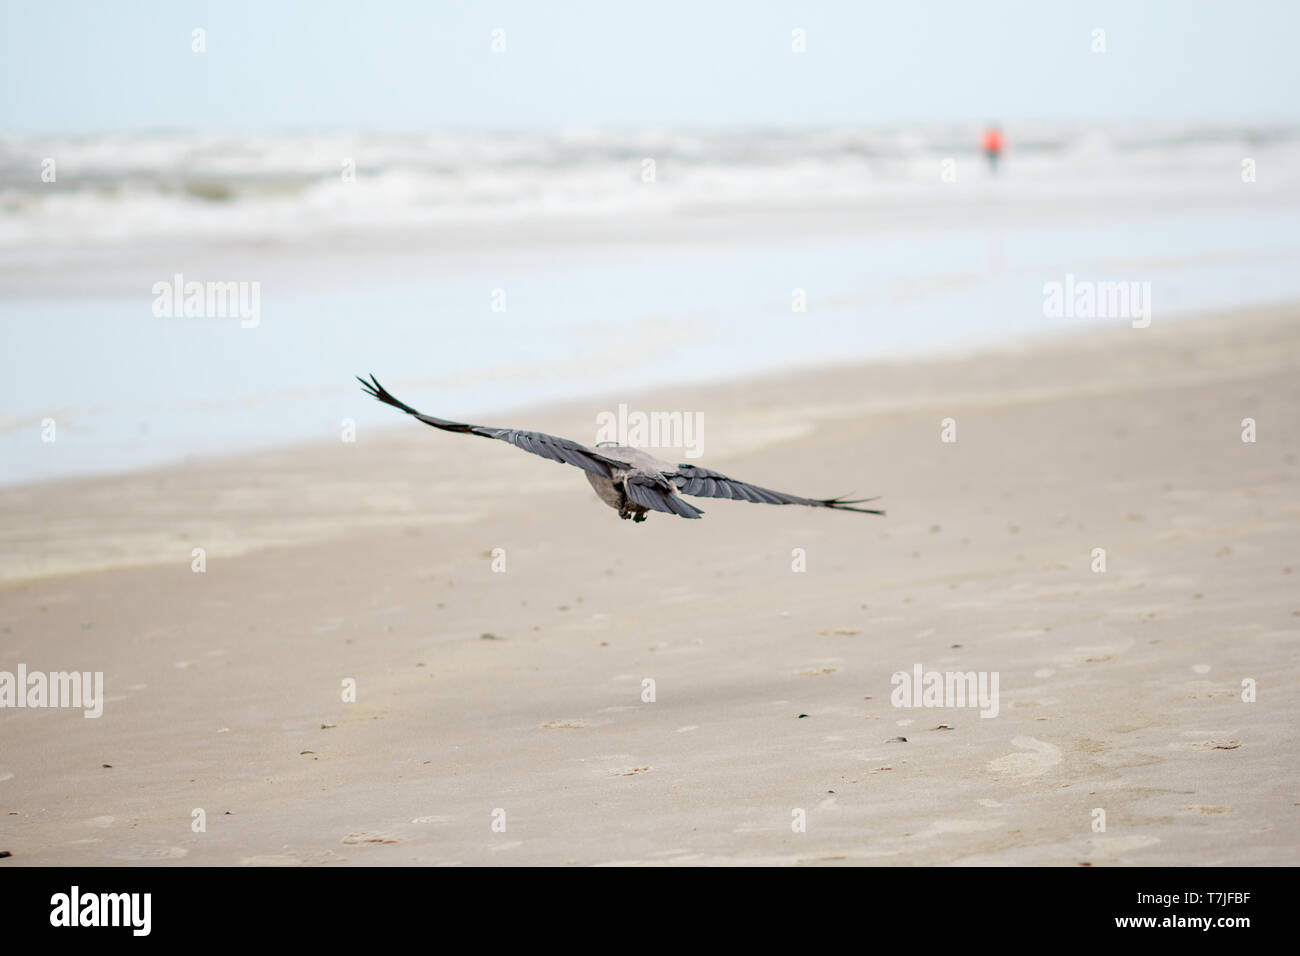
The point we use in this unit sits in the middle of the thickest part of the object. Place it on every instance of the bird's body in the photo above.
(636, 464)
(627, 479)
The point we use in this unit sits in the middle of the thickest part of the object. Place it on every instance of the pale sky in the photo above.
(92, 67)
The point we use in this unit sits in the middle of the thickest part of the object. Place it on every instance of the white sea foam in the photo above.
(285, 186)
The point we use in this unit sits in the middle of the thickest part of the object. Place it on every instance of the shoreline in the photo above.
(19, 501)
(23, 269)
(601, 396)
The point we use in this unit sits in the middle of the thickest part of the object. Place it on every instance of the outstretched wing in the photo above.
(704, 483)
(658, 495)
(547, 446)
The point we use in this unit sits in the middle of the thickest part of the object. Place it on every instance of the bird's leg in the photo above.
(624, 505)
(639, 517)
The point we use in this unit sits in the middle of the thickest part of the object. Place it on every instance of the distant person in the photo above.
(992, 143)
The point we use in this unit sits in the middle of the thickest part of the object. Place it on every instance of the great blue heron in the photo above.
(627, 479)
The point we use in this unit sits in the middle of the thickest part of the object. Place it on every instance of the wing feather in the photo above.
(561, 450)
(703, 483)
(659, 496)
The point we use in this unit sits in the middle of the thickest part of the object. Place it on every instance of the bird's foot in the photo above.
(638, 518)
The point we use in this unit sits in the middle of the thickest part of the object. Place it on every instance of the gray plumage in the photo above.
(627, 479)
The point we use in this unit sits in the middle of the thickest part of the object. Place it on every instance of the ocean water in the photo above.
(484, 272)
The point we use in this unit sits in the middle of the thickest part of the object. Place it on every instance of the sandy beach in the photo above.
(499, 715)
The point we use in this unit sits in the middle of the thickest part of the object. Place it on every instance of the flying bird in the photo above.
(625, 478)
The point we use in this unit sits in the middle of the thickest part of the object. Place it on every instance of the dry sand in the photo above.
(1120, 691)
